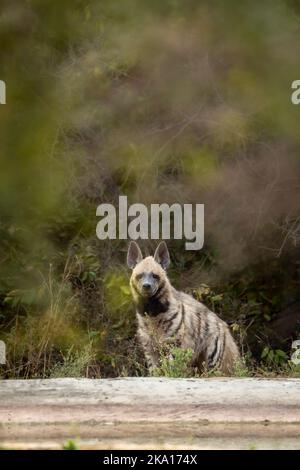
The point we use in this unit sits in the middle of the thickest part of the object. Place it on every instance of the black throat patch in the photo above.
(154, 305)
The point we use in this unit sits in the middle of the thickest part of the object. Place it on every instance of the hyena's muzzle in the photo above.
(147, 284)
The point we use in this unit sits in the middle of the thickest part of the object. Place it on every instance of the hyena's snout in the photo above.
(147, 285)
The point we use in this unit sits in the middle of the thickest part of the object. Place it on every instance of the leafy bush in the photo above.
(175, 362)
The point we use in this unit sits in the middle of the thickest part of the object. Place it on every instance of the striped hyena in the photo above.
(166, 315)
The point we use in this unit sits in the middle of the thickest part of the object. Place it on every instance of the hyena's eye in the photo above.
(155, 276)
(139, 276)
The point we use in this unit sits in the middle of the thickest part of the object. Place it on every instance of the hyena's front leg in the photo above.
(150, 352)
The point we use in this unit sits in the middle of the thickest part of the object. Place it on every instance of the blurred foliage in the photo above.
(174, 101)
(175, 363)
(70, 445)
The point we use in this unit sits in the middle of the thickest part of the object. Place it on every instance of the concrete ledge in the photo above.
(160, 412)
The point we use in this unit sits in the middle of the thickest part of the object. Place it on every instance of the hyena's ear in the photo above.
(134, 255)
(162, 256)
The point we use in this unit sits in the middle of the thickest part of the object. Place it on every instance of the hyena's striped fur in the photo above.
(166, 315)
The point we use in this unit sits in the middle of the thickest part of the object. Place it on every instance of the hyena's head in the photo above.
(148, 274)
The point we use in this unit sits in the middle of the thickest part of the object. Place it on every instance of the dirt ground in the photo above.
(150, 413)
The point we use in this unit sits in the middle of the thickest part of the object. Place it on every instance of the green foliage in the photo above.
(164, 102)
(252, 447)
(119, 302)
(293, 370)
(175, 362)
(74, 364)
(70, 445)
(241, 369)
(275, 357)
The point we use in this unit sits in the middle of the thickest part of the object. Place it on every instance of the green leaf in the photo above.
(265, 352)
